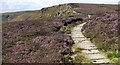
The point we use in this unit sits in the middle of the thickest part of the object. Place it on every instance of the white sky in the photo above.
(21, 5)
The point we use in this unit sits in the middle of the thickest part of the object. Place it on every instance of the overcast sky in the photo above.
(22, 5)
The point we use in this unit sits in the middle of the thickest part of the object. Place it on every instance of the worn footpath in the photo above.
(89, 49)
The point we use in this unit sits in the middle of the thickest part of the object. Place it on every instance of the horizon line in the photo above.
(105, 3)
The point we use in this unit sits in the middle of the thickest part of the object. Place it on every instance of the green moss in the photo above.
(88, 39)
(65, 19)
(62, 29)
(75, 48)
(115, 60)
(113, 56)
(77, 8)
(80, 58)
(66, 59)
(68, 11)
(84, 33)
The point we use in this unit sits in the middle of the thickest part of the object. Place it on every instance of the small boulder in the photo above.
(20, 42)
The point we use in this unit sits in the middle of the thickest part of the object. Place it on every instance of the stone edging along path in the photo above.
(90, 50)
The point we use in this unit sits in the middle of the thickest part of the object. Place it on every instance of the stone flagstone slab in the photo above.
(95, 56)
(90, 51)
(101, 61)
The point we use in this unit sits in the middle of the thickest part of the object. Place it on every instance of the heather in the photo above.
(44, 36)
(35, 41)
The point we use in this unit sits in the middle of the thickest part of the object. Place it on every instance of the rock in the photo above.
(20, 42)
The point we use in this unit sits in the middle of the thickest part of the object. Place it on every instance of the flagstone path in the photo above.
(90, 50)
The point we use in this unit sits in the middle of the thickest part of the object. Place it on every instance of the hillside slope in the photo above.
(59, 10)
(33, 36)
